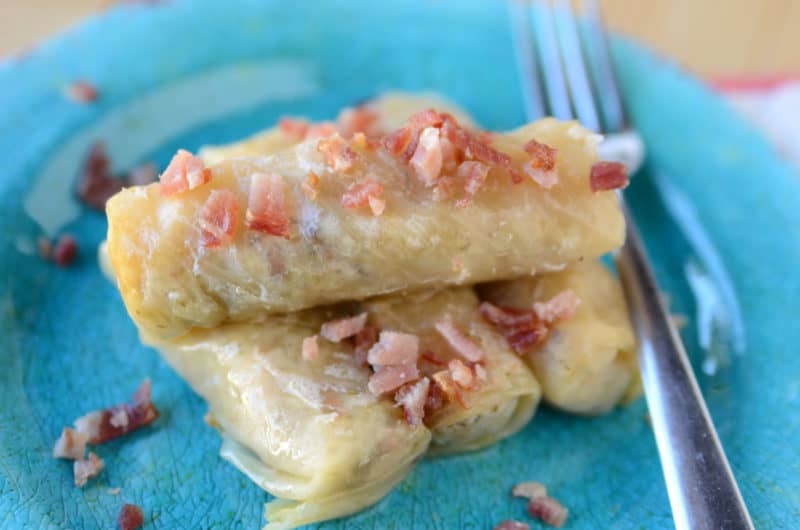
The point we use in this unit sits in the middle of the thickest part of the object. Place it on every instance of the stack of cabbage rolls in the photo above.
(349, 296)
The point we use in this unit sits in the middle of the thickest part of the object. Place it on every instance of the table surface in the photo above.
(715, 38)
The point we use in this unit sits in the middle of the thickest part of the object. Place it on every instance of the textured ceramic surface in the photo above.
(184, 74)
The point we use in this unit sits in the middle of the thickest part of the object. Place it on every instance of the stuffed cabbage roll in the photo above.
(306, 430)
(580, 343)
(331, 219)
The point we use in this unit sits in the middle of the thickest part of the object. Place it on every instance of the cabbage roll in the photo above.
(587, 362)
(307, 431)
(299, 228)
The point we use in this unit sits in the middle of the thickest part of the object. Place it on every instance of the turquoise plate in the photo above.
(183, 74)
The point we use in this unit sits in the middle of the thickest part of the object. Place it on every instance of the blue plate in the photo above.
(184, 74)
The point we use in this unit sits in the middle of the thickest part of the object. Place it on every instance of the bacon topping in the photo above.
(82, 92)
(549, 510)
(267, 207)
(338, 155)
(340, 329)
(83, 470)
(474, 175)
(310, 349)
(358, 194)
(427, 158)
(474, 147)
(70, 445)
(98, 425)
(459, 342)
(510, 524)
(392, 377)
(522, 328)
(529, 490)
(435, 398)
(560, 307)
(608, 176)
(321, 130)
(185, 172)
(218, 219)
(432, 358)
(65, 251)
(461, 373)
(294, 128)
(310, 186)
(412, 398)
(546, 178)
(394, 348)
(542, 155)
(444, 380)
(396, 142)
(363, 342)
(130, 517)
(360, 119)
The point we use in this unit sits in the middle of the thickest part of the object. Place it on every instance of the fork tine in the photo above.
(529, 75)
(572, 57)
(549, 58)
(599, 62)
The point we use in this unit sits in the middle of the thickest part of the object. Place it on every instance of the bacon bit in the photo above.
(310, 186)
(543, 156)
(70, 445)
(83, 470)
(392, 377)
(480, 372)
(363, 342)
(560, 307)
(445, 187)
(412, 398)
(394, 348)
(321, 130)
(338, 155)
(459, 342)
(97, 184)
(521, 328)
(474, 173)
(184, 172)
(427, 158)
(378, 206)
(510, 524)
(340, 329)
(130, 517)
(546, 178)
(294, 128)
(608, 176)
(360, 119)
(398, 141)
(435, 398)
(267, 209)
(357, 195)
(461, 373)
(474, 147)
(529, 490)
(65, 251)
(516, 177)
(310, 348)
(218, 219)
(450, 156)
(359, 140)
(142, 175)
(98, 425)
(444, 380)
(432, 358)
(549, 510)
(426, 118)
(82, 92)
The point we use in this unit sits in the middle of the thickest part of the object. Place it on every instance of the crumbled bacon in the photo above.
(267, 207)
(82, 92)
(342, 328)
(459, 342)
(608, 176)
(474, 147)
(65, 250)
(392, 377)
(522, 328)
(83, 470)
(321, 130)
(310, 186)
(396, 142)
(185, 172)
(560, 307)
(549, 510)
(461, 373)
(96, 184)
(376, 205)
(70, 445)
(444, 380)
(218, 219)
(435, 398)
(98, 425)
(361, 119)
(427, 158)
(432, 358)
(294, 128)
(357, 195)
(310, 350)
(130, 517)
(510, 524)
(529, 490)
(412, 398)
(394, 348)
(542, 154)
(426, 118)
(363, 342)
(338, 155)
(546, 178)
(450, 156)
(474, 175)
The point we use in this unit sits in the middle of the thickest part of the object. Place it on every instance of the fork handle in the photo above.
(702, 491)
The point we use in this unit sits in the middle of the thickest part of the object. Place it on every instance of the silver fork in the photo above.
(563, 79)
